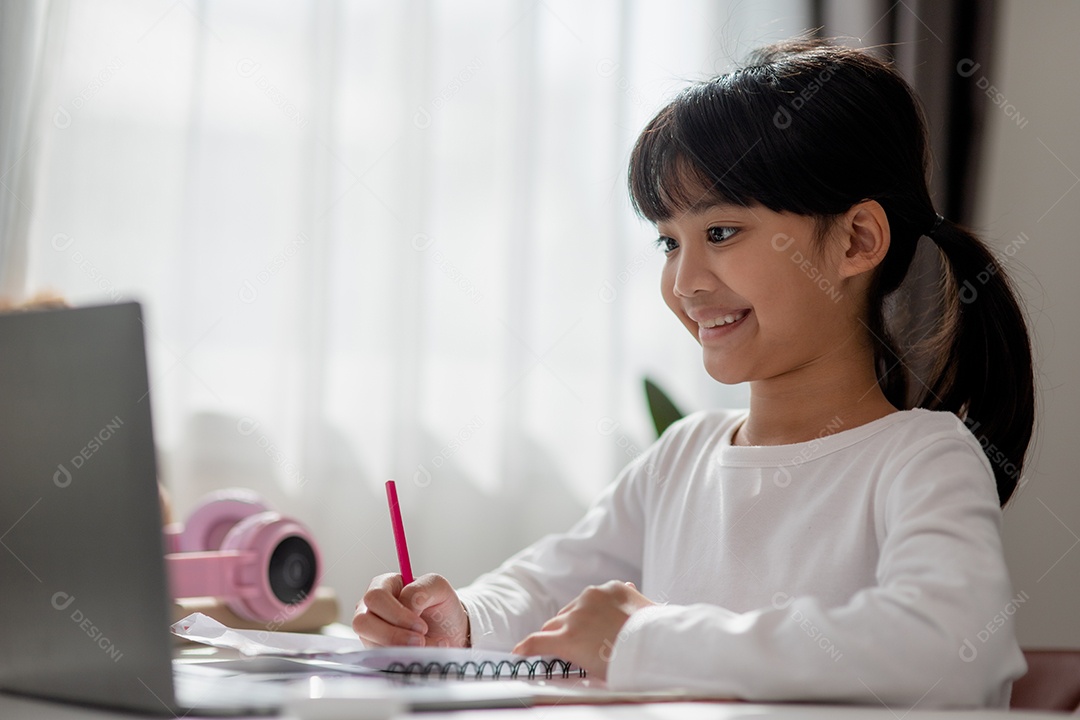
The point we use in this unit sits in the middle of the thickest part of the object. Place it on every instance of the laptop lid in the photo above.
(84, 609)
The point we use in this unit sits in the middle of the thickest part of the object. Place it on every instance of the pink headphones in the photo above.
(264, 565)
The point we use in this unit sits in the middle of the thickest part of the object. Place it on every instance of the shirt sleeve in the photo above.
(527, 590)
(935, 630)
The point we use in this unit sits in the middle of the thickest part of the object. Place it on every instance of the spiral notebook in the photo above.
(461, 664)
(349, 654)
(525, 680)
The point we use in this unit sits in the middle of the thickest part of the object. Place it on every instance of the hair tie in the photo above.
(938, 219)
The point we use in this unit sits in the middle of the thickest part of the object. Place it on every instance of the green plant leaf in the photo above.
(663, 410)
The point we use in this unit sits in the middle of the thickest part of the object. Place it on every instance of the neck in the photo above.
(832, 393)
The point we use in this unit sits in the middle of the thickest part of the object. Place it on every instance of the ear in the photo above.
(865, 238)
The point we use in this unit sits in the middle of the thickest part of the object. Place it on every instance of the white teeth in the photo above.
(724, 320)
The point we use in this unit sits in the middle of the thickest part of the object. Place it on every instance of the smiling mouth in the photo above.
(729, 319)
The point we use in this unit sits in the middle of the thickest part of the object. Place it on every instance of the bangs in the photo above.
(752, 137)
(709, 146)
(665, 178)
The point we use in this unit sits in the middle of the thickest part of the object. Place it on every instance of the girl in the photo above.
(839, 540)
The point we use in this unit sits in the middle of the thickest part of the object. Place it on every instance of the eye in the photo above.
(666, 244)
(719, 234)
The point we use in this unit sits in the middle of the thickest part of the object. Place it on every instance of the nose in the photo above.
(692, 272)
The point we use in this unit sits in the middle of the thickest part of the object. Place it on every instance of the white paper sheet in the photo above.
(200, 628)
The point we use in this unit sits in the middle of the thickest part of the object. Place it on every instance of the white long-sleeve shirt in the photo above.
(863, 566)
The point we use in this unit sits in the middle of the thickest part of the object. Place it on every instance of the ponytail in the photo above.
(983, 362)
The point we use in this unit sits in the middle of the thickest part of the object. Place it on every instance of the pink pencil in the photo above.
(399, 533)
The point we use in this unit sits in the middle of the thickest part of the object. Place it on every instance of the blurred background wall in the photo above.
(1029, 204)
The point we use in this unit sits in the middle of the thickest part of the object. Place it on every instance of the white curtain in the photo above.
(28, 56)
(383, 240)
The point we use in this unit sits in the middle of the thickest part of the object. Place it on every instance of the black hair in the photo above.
(812, 127)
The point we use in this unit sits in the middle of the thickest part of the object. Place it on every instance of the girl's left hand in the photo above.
(584, 632)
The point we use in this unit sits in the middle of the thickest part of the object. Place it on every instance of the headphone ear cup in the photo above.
(281, 580)
(215, 515)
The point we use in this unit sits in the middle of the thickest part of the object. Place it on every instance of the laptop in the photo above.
(85, 608)
(85, 611)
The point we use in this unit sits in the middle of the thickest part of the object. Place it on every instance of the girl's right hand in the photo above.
(427, 612)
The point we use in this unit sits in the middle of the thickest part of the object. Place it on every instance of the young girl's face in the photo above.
(757, 291)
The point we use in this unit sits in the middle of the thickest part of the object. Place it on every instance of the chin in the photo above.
(726, 373)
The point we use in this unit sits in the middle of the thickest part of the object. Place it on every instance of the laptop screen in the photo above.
(84, 610)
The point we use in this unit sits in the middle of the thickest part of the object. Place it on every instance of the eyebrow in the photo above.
(705, 204)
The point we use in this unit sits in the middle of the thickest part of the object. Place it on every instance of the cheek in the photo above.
(799, 295)
(667, 289)
(781, 293)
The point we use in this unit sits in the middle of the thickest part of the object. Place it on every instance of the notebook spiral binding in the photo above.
(520, 669)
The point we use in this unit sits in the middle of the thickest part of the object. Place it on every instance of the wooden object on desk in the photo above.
(322, 611)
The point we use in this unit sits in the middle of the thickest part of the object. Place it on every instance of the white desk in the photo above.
(19, 708)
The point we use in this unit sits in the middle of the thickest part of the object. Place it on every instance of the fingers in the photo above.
(550, 635)
(427, 611)
(585, 631)
(381, 618)
(391, 582)
(376, 632)
(425, 591)
(539, 643)
(434, 598)
(592, 594)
